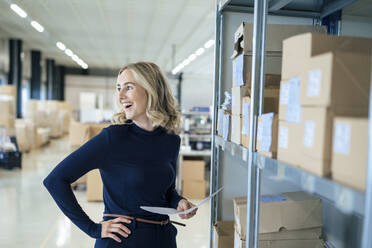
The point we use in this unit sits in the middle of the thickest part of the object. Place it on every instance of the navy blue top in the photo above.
(137, 167)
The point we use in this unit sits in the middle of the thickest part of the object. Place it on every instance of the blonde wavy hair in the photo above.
(161, 104)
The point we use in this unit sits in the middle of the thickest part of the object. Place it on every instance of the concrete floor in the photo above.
(30, 217)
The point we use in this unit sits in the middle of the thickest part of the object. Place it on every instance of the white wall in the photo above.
(356, 26)
(196, 91)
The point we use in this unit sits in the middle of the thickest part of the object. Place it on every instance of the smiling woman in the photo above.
(137, 159)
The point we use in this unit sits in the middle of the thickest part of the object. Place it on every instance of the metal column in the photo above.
(257, 87)
(367, 225)
(215, 155)
(50, 87)
(59, 83)
(35, 83)
(15, 71)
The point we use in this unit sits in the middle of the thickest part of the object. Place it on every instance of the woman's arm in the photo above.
(89, 156)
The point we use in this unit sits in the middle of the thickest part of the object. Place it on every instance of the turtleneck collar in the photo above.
(140, 130)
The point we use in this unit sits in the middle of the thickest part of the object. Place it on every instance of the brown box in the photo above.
(94, 186)
(24, 143)
(194, 189)
(237, 94)
(350, 151)
(267, 134)
(316, 140)
(236, 124)
(276, 33)
(338, 80)
(289, 141)
(79, 133)
(298, 234)
(193, 170)
(292, 211)
(303, 46)
(223, 234)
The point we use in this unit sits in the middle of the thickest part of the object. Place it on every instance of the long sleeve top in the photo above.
(137, 167)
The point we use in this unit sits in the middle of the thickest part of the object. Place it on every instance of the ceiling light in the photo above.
(85, 66)
(68, 52)
(75, 57)
(37, 26)
(192, 57)
(18, 10)
(186, 62)
(61, 46)
(80, 62)
(209, 43)
(200, 51)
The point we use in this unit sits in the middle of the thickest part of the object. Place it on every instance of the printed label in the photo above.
(315, 79)
(238, 70)
(283, 137)
(245, 129)
(226, 126)
(309, 133)
(293, 113)
(267, 125)
(294, 108)
(341, 141)
(284, 94)
(259, 131)
(273, 198)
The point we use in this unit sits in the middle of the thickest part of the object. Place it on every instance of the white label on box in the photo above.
(284, 94)
(226, 126)
(220, 122)
(245, 129)
(238, 70)
(294, 108)
(259, 131)
(267, 123)
(283, 137)
(293, 113)
(315, 79)
(341, 140)
(309, 133)
(273, 198)
(214, 240)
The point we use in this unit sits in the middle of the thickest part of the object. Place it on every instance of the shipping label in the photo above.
(238, 70)
(315, 79)
(341, 140)
(266, 136)
(284, 94)
(245, 128)
(283, 137)
(309, 133)
(273, 198)
(226, 126)
(294, 108)
(220, 122)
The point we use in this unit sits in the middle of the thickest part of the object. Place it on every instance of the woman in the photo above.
(137, 160)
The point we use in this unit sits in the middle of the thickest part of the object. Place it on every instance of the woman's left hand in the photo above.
(184, 205)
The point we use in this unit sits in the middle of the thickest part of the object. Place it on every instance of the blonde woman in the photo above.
(137, 160)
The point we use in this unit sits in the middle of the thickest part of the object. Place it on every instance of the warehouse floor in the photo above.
(30, 217)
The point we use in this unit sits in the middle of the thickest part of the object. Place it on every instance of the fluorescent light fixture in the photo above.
(75, 57)
(186, 62)
(209, 43)
(61, 46)
(37, 26)
(85, 66)
(192, 57)
(68, 52)
(18, 10)
(80, 62)
(200, 51)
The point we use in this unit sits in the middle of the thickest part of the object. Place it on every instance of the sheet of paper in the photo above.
(165, 211)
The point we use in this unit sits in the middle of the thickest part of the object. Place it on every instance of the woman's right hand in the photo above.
(110, 227)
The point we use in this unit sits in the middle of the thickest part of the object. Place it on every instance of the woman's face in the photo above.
(132, 96)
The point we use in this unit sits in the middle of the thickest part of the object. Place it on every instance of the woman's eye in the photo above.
(129, 87)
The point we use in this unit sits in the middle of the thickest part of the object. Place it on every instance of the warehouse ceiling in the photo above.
(110, 33)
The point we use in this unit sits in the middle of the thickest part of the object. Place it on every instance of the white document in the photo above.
(165, 211)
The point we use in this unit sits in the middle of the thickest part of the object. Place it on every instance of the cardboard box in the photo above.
(316, 140)
(94, 186)
(79, 133)
(276, 33)
(267, 134)
(303, 46)
(238, 241)
(338, 80)
(237, 94)
(223, 234)
(350, 151)
(245, 121)
(24, 143)
(289, 103)
(240, 216)
(289, 143)
(193, 170)
(236, 122)
(299, 234)
(194, 189)
(315, 243)
(227, 126)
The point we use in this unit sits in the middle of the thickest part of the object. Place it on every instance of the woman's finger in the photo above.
(122, 227)
(118, 230)
(114, 237)
(122, 219)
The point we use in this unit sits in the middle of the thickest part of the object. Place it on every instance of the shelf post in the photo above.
(257, 88)
(214, 175)
(367, 224)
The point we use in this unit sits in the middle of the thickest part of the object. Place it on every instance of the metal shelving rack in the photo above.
(343, 198)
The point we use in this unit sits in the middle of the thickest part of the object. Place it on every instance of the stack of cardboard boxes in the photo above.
(287, 220)
(193, 179)
(223, 234)
(8, 99)
(80, 133)
(333, 79)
